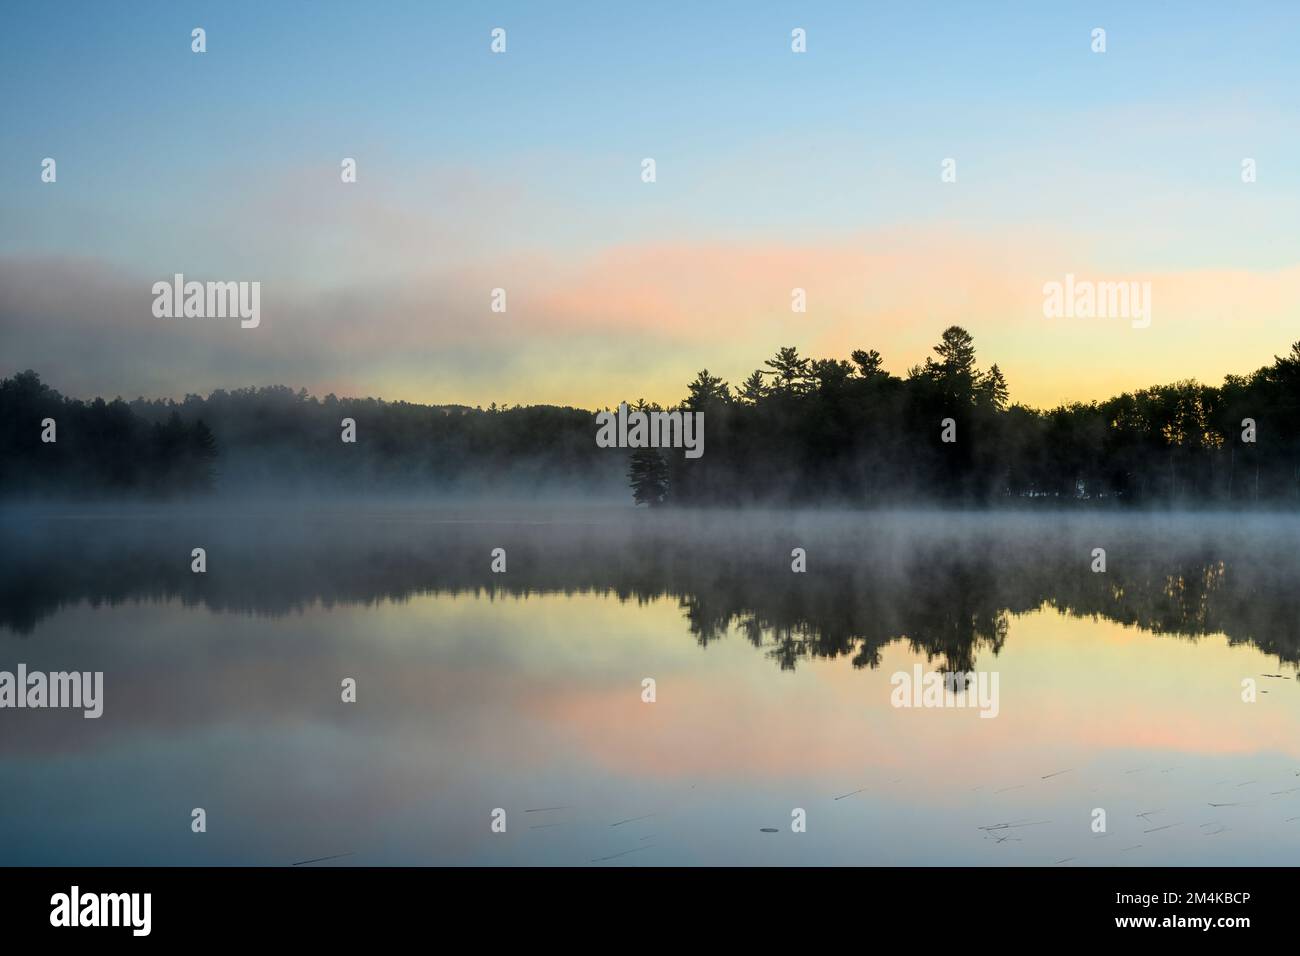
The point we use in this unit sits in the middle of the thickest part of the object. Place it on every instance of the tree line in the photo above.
(50, 444)
(796, 431)
(279, 441)
(828, 430)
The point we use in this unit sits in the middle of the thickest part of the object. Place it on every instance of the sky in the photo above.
(522, 171)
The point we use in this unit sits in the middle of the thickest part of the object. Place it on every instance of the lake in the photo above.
(773, 735)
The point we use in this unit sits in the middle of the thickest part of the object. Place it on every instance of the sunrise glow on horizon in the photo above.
(822, 172)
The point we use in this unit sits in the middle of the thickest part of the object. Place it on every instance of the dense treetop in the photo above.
(797, 430)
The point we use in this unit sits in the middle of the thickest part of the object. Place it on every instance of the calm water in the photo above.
(523, 690)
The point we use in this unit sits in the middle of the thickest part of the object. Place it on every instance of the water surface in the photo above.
(523, 690)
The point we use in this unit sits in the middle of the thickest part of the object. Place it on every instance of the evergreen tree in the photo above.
(956, 351)
(869, 363)
(648, 475)
(705, 390)
(790, 373)
(753, 390)
(993, 388)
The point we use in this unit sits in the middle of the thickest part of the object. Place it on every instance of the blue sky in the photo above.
(227, 163)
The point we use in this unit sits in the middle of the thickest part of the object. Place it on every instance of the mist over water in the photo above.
(523, 690)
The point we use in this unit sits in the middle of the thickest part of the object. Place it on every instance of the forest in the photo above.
(796, 431)
(815, 430)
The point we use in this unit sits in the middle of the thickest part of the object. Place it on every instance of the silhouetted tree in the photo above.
(648, 475)
(993, 388)
(705, 390)
(789, 371)
(869, 364)
(753, 389)
(797, 430)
